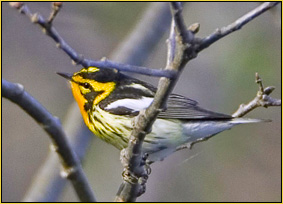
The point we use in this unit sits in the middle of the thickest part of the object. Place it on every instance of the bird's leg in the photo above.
(133, 177)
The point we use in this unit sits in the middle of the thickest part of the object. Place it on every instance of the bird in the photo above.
(109, 101)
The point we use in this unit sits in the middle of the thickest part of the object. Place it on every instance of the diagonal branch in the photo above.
(132, 156)
(262, 99)
(72, 169)
(237, 25)
(49, 30)
(135, 48)
(176, 50)
(179, 53)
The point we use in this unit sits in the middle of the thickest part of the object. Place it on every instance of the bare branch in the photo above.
(238, 24)
(78, 59)
(137, 45)
(176, 61)
(186, 35)
(262, 99)
(180, 51)
(56, 6)
(80, 139)
(132, 158)
(72, 169)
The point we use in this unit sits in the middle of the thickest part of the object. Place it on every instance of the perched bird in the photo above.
(109, 100)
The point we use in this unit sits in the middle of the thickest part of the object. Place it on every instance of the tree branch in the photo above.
(136, 48)
(78, 59)
(135, 173)
(237, 25)
(176, 50)
(72, 169)
(262, 99)
(181, 49)
(186, 35)
(49, 189)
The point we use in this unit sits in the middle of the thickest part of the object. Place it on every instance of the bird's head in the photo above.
(91, 85)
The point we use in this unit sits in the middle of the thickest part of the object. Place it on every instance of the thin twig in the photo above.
(262, 99)
(186, 35)
(56, 6)
(155, 19)
(179, 53)
(78, 59)
(72, 169)
(238, 24)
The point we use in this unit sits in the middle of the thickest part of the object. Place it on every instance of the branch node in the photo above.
(44, 30)
(56, 6)
(268, 90)
(17, 5)
(194, 28)
(129, 177)
(103, 59)
(58, 45)
(53, 148)
(262, 99)
(133, 140)
(20, 89)
(35, 18)
(79, 60)
(68, 172)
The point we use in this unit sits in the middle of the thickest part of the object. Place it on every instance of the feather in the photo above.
(132, 96)
(180, 107)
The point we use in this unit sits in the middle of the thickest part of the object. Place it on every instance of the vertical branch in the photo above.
(186, 35)
(135, 173)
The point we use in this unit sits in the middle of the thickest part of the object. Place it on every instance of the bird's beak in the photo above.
(65, 75)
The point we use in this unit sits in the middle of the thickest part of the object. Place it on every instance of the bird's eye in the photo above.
(86, 85)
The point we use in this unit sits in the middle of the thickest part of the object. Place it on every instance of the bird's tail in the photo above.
(248, 120)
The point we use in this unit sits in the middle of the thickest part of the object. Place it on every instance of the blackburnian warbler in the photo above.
(109, 100)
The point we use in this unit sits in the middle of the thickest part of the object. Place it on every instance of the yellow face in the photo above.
(81, 87)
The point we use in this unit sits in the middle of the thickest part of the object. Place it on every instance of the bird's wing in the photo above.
(180, 107)
(133, 96)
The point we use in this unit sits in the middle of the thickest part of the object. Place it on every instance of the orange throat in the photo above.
(81, 102)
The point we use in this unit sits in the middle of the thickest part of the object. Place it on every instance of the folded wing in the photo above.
(180, 107)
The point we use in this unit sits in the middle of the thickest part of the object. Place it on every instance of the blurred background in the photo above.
(240, 165)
